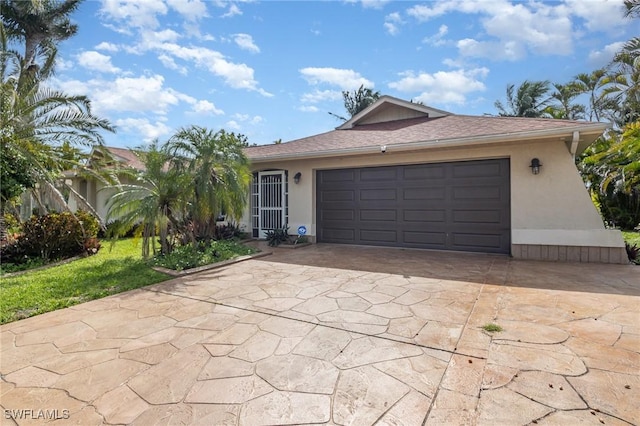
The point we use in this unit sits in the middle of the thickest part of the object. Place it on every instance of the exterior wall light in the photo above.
(296, 177)
(535, 166)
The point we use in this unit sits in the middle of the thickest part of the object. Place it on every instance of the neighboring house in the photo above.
(92, 189)
(406, 175)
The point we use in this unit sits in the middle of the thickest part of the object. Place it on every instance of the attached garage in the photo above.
(447, 206)
(401, 174)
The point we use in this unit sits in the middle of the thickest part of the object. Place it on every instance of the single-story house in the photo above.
(93, 190)
(401, 174)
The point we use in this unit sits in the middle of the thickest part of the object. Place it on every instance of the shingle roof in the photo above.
(127, 157)
(438, 130)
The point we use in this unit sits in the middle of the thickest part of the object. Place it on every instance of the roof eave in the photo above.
(591, 128)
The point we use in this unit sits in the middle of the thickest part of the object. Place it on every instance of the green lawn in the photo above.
(632, 237)
(108, 272)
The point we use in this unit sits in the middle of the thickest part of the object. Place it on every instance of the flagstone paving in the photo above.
(340, 335)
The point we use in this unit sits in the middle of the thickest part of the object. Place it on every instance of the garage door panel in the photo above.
(451, 206)
(476, 193)
(477, 170)
(377, 174)
(465, 241)
(378, 194)
(477, 216)
(424, 194)
(424, 172)
(328, 196)
(378, 215)
(338, 176)
(432, 239)
(378, 236)
(336, 214)
(424, 215)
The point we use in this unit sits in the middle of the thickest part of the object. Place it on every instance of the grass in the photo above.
(492, 328)
(108, 272)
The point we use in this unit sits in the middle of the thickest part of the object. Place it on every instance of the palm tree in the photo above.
(157, 202)
(40, 24)
(529, 100)
(565, 109)
(36, 119)
(357, 101)
(632, 8)
(592, 85)
(220, 174)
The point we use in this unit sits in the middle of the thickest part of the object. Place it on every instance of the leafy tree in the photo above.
(39, 24)
(357, 101)
(157, 202)
(219, 172)
(528, 100)
(611, 169)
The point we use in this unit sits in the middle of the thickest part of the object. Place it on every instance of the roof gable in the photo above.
(388, 108)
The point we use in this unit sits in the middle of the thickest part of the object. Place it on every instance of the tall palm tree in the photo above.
(157, 202)
(40, 24)
(564, 108)
(632, 8)
(592, 84)
(34, 119)
(220, 174)
(528, 100)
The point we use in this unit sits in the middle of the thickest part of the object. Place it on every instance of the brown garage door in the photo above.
(449, 206)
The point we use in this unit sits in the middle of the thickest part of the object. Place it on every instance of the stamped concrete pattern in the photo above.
(342, 335)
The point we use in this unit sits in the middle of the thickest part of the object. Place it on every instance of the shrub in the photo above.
(54, 236)
(275, 237)
(197, 254)
(229, 231)
(633, 252)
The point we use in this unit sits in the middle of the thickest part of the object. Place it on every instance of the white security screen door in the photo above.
(270, 198)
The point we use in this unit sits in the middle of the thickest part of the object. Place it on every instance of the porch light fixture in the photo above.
(296, 177)
(535, 166)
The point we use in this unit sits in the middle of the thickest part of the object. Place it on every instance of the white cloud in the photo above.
(109, 47)
(308, 108)
(233, 11)
(129, 94)
(95, 61)
(511, 29)
(238, 76)
(206, 108)
(151, 39)
(143, 127)
(134, 13)
(496, 50)
(391, 22)
(321, 95)
(437, 39)
(245, 41)
(232, 124)
(190, 9)
(168, 62)
(374, 4)
(246, 118)
(442, 87)
(602, 57)
(603, 15)
(345, 79)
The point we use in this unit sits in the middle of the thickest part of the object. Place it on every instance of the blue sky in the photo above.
(273, 70)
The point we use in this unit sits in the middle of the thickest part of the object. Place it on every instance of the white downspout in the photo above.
(574, 143)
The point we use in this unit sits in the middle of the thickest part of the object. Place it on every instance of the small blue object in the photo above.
(302, 230)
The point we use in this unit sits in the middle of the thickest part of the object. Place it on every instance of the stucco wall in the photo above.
(551, 208)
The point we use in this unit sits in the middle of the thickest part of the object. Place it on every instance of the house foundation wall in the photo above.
(563, 253)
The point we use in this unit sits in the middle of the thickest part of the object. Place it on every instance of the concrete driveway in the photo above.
(340, 335)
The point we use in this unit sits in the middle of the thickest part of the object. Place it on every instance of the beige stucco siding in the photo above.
(552, 207)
